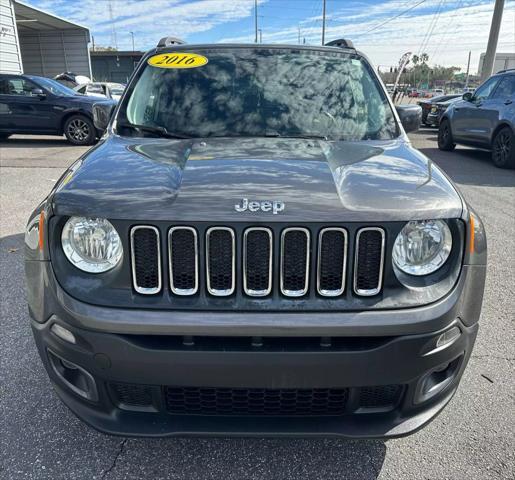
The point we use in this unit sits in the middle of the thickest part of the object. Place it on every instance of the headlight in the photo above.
(91, 244)
(422, 247)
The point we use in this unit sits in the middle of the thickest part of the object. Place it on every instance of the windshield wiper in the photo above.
(160, 131)
(302, 135)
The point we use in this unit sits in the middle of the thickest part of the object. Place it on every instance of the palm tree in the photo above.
(415, 59)
(424, 57)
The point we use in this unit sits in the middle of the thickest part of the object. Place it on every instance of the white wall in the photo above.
(10, 57)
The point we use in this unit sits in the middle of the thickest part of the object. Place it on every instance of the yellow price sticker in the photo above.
(177, 60)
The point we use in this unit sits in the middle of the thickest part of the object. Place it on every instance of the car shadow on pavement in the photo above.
(89, 453)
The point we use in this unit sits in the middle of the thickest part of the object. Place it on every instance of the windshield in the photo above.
(55, 87)
(263, 92)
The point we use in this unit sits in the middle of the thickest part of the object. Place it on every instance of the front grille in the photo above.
(332, 260)
(369, 260)
(257, 261)
(384, 396)
(220, 258)
(146, 259)
(295, 251)
(255, 401)
(208, 260)
(183, 252)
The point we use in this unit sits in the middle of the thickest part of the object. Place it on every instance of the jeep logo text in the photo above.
(265, 206)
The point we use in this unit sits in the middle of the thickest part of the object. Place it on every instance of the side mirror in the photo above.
(102, 113)
(410, 116)
(468, 96)
(38, 92)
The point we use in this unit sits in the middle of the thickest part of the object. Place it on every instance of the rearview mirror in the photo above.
(468, 96)
(410, 117)
(38, 92)
(102, 113)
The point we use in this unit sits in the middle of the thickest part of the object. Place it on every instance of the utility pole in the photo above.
(323, 24)
(468, 70)
(255, 21)
(132, 35)
(488, 61)
(260, 35)
(299, 33)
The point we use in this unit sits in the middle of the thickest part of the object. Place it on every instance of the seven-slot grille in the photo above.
(257, 258)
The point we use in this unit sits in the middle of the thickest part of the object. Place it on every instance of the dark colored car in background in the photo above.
(41, 106)
(485, 119)
(427, 104)
(438, 109)
(255, 248)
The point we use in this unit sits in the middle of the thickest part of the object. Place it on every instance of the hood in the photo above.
(202, 180)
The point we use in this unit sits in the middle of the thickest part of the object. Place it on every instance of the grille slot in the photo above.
(255, 401)
(384, 396)
(332, 261)
(369, 261)
(146, 259)
(294, 261)
(257, 261)
(220, 261)
(183, 255)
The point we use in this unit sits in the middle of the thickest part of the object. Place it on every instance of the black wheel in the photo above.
(445, 141)
(79, 130)
(4, 136)
(503, 148)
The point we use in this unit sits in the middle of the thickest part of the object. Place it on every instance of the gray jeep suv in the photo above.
(254, 247)
(485, 119)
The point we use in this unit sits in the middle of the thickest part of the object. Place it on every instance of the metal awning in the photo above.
(30, 19)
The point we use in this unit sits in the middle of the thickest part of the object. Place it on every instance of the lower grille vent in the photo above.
(255, 401)
(383, 396)
(132, 395)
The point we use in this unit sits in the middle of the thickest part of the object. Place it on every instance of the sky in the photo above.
(444, 29)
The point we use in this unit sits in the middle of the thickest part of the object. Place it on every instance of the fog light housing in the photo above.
(63, 333)
(437, 380)
(76, 378)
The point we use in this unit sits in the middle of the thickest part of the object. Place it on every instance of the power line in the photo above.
(394, 17)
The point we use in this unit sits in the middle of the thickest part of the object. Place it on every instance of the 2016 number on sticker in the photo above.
(177, 60)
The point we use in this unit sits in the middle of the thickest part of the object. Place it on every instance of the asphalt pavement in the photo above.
(472, 439)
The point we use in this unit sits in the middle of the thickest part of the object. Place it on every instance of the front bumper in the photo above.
(148, 352)
(151, 365)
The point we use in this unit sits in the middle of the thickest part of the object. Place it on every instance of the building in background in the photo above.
(36, 42)
(114, 66)
(502, 61)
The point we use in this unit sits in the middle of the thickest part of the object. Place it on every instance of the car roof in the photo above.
(252, 46)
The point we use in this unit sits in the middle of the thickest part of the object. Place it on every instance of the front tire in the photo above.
(445, 140)
(79, 130)
(503, 148)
